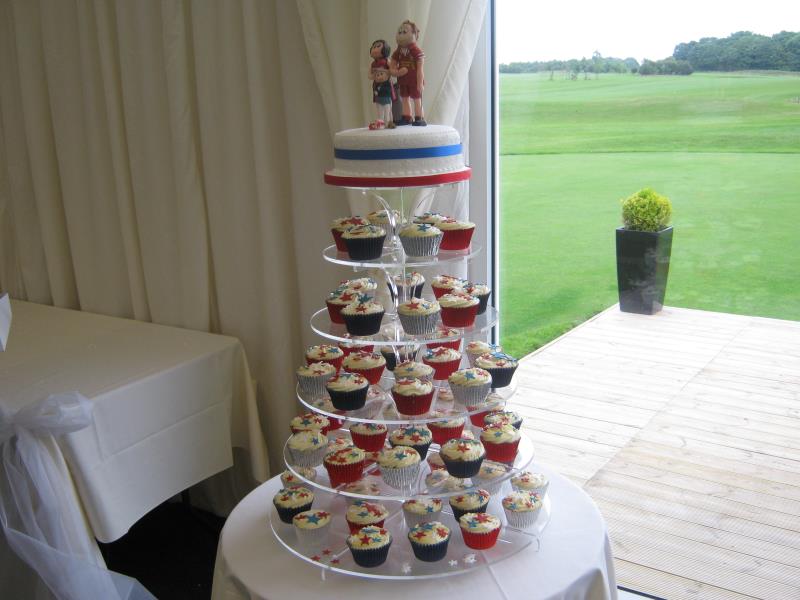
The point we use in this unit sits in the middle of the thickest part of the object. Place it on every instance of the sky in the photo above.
(529, 30)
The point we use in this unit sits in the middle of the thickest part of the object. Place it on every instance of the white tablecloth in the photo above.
(574, 561)
(169, 405)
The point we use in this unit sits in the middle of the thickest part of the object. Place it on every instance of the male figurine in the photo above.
(406, 65)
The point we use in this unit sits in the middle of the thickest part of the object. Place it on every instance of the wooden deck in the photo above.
(685, 429)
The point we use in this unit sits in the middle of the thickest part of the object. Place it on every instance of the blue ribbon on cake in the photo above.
(397, 153)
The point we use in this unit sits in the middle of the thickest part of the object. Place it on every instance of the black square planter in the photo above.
(642, 269)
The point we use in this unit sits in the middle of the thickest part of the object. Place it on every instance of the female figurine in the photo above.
(406, 65)
(382, 88)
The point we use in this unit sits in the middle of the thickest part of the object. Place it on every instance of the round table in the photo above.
(573, 561)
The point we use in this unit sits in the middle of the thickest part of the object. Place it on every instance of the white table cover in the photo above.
(573, 563)
(169, 404)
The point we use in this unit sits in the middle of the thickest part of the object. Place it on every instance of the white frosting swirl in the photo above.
(364, 306)
(476, 348)
(470, 500)
(470, 377)
(429, 533)
(363, 360)
(412, 387)
(362, 284)
(311, 519)
(345, 456)
(293, 497)
(368, 428)
(410, 436)
(309, 422)
(369, 538)
(344, 223)
(429, 217)
(522, 501)
(448, 282)
(422, 506)
(442, 354)
(418, 230)
(479, 522)
(529, 481)
(462, 449)
(316, 369)
(347, 382)
(323, 352)
(418, 307)
(499, 434)
(363, 232)
(454, 224)
(413, 369)
(366, 513)
(307, 440)
(494, 360)
(457, 301)
(397, 457)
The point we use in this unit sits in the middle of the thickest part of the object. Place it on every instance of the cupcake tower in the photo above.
(404, 458)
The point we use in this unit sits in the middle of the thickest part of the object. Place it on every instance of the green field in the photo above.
(724, 147)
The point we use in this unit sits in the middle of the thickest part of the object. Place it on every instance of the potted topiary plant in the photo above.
(644, 245)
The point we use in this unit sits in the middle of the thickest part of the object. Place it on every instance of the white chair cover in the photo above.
(40, 518)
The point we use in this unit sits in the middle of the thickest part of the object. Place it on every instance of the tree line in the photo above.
(740, 51)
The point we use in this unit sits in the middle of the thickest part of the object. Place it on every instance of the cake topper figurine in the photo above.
(382, 88)
(406, 65)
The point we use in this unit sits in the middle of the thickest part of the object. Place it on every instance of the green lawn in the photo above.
(724, 148)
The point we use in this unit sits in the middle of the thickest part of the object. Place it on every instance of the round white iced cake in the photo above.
(401, 157)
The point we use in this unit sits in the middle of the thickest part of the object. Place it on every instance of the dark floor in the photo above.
(171, 551)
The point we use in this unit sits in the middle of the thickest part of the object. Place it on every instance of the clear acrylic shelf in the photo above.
(394, 257)
(332, 554)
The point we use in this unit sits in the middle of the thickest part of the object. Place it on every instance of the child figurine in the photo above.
(406, 65)
(382, 88)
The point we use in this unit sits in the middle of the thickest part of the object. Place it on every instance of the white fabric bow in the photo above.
(38, 514)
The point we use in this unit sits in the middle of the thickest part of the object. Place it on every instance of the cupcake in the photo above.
(501, 442)
(470, 386)
(338, 443)
(457, 234)
(361, 285)
(444, 284)
(469, 502)
(462, 457)
(480, 530)
(412, 396)
(325, 353)
(420, 239)
(370, 546)
(339, 226)
(309, 422)
(491, 475)
(413, 370)
(290, 480)
(364, 242)
(355, 344)
(325, 405)
(311, 378)
(429, 541)
(444, 361)
(348, 391)
(431, 218)
(370, 365)
(447, 336)
(446, 429)
(362, 487)
(500, 366)
(435, 461)
(395, 355)
(369, 436)
(531, 482)
(307, 448)
(458, 310)
(419, 317)
(311, 527)
(336, 301)
(503, 417)
(408, 286)
(292, 501)
(399, 466)
(481, 291)
(381, 218)
(344, 465)
(363, 317)
(493, 401)
(475, 348)
(420, 510)
(417, 437)
(363, 513)
(522, 509)
(442, 481)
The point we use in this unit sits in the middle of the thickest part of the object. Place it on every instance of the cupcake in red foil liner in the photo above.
(369, 546)
(364, 316)
(429, 540)
(470, 386)
(522, 509)
(446, 429)
(311, 378)
(475, 501)
(344, 465)
(412, 396)
(292, 501)
(348, 391)
(446, 284)
(477, 418)
(369, 436)
(501, 442)
(457, 234)
(446, 332)
(503, 417)
(418, 437)
(399, 466)
(307, 448)
(310, 422)
(445, 361)
(458, 310)
(339, 226)
(501, 367)
(363, 513)
(364, 242)
(475, 348)
(336, 301)
(480, 530)
(421, 510)
(418, 316)
(325, 353)
(369, 365)
(462, 457)
(481, 291)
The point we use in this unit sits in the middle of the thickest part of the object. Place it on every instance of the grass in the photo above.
(724, 148)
